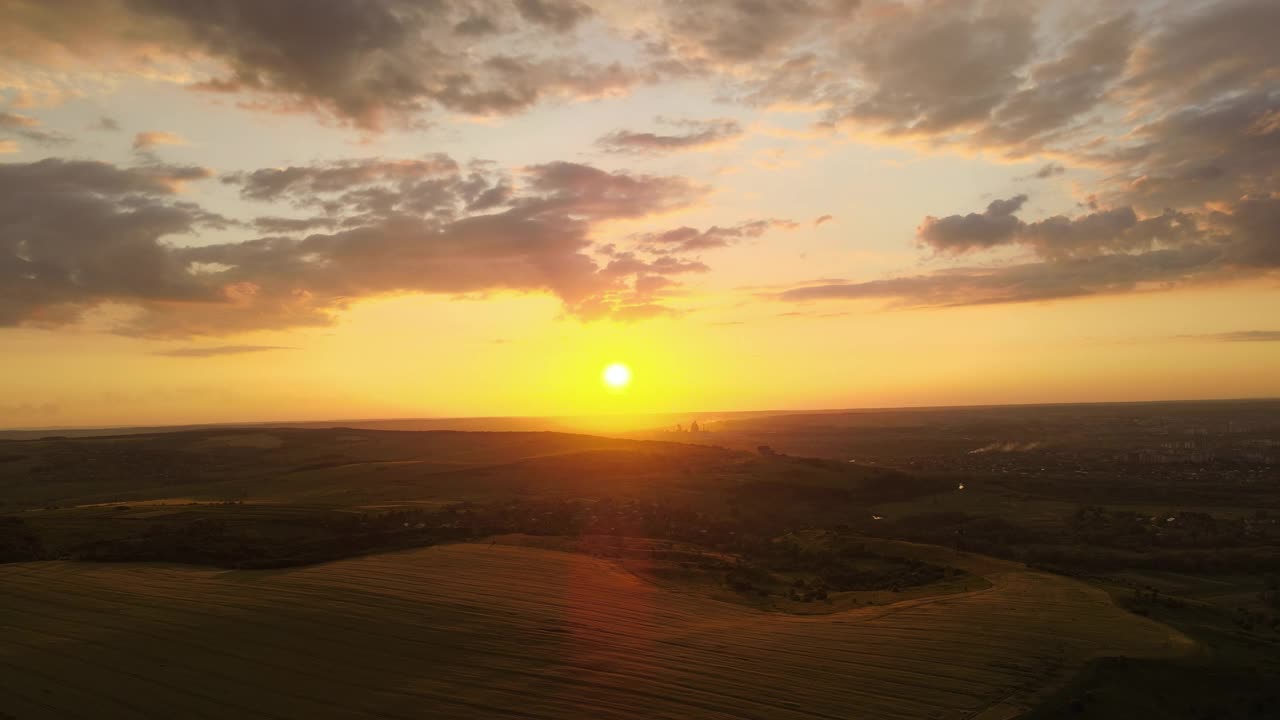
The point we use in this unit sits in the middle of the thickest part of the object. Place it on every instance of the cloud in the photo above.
(822, 220)
(643, 311)
(286, 226)
(305, 185)
(560, 15)
(730, 32)
(1244, 336)
(630, 264)
(151, 138)
(687, 239)
(1102, 252)
(8, 146)
(77, 234)
(218, 350)
(1059, 90)
(964, 73)
(1178, 107)
(1198, 155)
(585, 191)
(1027, 282)
(1176, 111)
(1206, 52)
(29, 128)
(106, 124)
(1173, 109)
(9, 121)
(935, 69)
(698, 135)
(962, 233)
(1118, 229)
(1049, 170)
(651, 285)
(363, 63)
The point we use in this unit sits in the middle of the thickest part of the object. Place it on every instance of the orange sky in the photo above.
(215, 213)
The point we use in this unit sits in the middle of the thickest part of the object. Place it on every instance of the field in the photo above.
(359, 468)
(483, 629)
(975, 564)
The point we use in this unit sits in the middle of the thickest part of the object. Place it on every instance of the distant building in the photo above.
(693, 427)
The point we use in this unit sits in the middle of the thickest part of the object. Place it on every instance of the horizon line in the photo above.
(793, 411)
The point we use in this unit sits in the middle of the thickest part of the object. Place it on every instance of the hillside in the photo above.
(461, 631)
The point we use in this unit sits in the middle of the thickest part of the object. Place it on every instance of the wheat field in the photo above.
(480, 630)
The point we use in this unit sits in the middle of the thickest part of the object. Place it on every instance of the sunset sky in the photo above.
(242, 210)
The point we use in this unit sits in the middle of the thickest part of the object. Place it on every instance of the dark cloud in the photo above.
(687, 239)
(1174, 109)
(1179, 106)
(1178, 111)
(477, 25)
(54, 175)
(588, 192)
(1057, 91)
(1209, 51)
(1199, 155)
(937, 68)
(106, 124)
(975, 231)
(741, 31)
(361, 61)
(304, 185)
(1049, 170)
(560, 15)
(218, 350)
(77, 234)
(1029, 282)
(1112, 230)
(496, 196)
(697, 135)
(1244, 336)
(286, 226)
(822, 219)
(1102, 252)
(1252, 231)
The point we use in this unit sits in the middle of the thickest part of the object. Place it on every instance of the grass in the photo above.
(1232, 675)
(460, 631)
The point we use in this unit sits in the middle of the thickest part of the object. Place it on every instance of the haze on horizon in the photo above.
(238, 211)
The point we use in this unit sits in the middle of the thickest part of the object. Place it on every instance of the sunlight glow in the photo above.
(617, 376)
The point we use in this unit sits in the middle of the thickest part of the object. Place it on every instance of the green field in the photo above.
(480, 630)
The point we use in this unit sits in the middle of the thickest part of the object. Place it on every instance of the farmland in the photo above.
(358, 572)
(486, 629)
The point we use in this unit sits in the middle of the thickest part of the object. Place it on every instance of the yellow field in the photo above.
(464, 631)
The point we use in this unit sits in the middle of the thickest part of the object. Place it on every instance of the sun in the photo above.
(617, 376)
